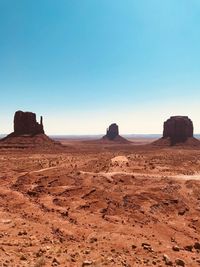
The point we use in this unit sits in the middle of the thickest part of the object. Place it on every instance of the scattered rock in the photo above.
(23, 258)
(23, 232)
(180, 262)
(176, 248)
(188, 248)
(93, 240)
(87, 251)
(147, 246)
(182, 211)
(134, 246)
(167, 260)
(55, 262)
(87, 263)
(197, 245)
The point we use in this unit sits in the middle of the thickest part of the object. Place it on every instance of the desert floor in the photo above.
(100, 205)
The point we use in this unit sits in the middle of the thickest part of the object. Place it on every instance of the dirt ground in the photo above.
(100, 205)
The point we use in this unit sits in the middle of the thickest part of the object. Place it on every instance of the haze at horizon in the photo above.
(86, 64)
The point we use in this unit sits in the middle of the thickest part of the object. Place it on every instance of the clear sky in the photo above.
(84, 64)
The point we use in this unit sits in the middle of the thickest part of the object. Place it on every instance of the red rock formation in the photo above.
(178, 129)
(25, 123)
(28, 134)
(112, 131)
(112, 134)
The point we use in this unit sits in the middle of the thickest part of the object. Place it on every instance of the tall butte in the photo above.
(178, 130)
(25, 123)
(112, 134)
(28, 133)
(112, 131)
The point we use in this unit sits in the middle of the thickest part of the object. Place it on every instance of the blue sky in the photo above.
(84, 64)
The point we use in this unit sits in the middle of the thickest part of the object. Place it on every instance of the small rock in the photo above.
(180, 262)
(173, 239)
(167, 260)
(182, 211)
(188, 248)
(145, 245)
(93, 240)
(23, 258)
(197, 245)
(87, 263)
(176, 248)
(6, 221)
(55, 261)
(23, 232)
(110, 259)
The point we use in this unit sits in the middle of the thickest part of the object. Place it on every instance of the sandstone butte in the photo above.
(112, 135)
(28, 133)
(178, 130)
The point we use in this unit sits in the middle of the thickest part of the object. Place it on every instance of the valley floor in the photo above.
(96, 205)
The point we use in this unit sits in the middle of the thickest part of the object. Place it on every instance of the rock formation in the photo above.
(178, 129)
(112, 134)
(112, 131)
(26, 123)
(28, 133)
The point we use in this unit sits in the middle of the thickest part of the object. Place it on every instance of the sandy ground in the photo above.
(96, 205)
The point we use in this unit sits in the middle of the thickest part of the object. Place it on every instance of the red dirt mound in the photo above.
(190, 142)
(28, 141)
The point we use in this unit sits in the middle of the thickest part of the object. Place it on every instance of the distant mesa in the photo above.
(27, 132)
(178, 130)
(112, 135)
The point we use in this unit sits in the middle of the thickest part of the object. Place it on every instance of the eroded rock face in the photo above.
(112, 131)
(26, 123)
(178, 129)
